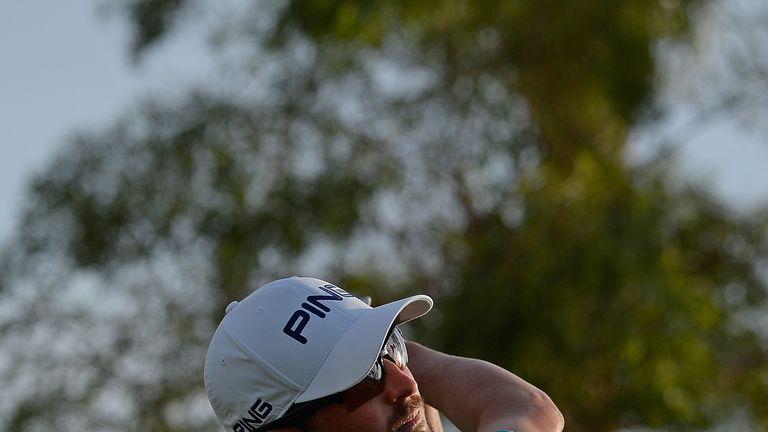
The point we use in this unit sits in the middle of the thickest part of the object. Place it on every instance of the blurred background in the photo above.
(581, 186)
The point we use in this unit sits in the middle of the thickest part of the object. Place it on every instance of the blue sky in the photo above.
(65, 68)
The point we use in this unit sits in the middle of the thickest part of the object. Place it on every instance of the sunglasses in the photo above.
(366, 389)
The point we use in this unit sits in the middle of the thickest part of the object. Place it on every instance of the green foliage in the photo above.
(608, 292)
(584, 67)
(151, 20)
(490, 175)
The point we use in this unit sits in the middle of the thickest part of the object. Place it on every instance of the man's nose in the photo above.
(399, 383)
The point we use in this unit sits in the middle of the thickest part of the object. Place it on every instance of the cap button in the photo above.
(231, 306)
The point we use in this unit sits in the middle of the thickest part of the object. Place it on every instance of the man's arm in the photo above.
(479, 396)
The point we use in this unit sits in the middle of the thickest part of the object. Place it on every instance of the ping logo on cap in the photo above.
(298, 321)
(256, 415)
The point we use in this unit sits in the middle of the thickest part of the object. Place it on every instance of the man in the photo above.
(301, 354)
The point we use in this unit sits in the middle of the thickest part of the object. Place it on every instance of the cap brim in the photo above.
(357, 350)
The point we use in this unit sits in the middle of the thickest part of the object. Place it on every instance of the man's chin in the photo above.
(423, 426)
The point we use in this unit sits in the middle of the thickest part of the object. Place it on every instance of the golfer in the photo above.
(301, 354)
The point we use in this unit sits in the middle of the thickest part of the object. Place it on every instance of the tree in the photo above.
(473, 151)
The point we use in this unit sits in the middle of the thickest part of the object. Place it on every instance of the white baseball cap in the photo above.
(295, 340)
